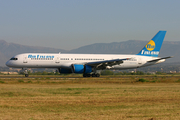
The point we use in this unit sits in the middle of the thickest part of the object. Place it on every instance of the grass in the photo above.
(90, 98)
(2, 81)
(21, 81)
(142, 80)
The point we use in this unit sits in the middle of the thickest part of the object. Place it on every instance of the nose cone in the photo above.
(9, 63)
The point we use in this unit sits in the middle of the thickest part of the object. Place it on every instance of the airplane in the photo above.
(88, 64)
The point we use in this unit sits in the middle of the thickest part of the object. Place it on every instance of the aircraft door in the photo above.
(57, 59)
(25, 59)
(139, 61)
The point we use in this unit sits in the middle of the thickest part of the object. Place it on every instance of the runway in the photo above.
(76, 77)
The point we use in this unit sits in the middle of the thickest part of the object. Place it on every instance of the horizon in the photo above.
(79, 46)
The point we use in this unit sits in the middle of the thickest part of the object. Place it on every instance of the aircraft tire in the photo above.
(97, 75)
(26, 75)
(86, 75)
(93, 75)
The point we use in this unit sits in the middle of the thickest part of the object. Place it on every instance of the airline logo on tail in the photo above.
(151, 45)
(150, 53)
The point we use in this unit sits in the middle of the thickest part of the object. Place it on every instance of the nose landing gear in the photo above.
(26, 72)
(26, 75)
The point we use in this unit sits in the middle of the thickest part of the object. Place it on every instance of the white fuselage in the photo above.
(45, 60)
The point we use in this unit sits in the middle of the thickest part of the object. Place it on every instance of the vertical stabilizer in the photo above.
(153, 47)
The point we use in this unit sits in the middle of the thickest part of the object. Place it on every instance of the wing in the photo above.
(104, 64)
(155, 60)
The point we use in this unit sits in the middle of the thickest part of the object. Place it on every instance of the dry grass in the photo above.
(90, 98)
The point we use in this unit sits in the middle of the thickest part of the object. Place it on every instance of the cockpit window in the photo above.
(14, 59)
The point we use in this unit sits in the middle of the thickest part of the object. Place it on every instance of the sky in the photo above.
(69, 24)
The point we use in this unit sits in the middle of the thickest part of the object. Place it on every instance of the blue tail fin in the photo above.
(153, 47)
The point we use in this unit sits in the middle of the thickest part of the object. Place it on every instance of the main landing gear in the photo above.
(91, 75)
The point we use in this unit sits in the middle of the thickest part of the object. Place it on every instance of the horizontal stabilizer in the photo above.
(155, 60)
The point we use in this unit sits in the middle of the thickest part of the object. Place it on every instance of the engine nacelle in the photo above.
(82, 68)
(64, 71)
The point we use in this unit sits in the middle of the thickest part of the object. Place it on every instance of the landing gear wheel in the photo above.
(93, 75)
(86, 75)
(97, 75)
(26, 75)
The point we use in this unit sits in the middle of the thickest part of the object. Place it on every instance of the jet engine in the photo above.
(77, 68)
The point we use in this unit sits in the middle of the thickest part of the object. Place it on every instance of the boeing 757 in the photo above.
(88, 64)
